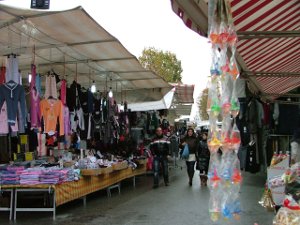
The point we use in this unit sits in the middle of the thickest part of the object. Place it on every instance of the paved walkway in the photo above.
(177, 204)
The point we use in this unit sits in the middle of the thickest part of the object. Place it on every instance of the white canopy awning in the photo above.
(179, 101)
(70, 42)
(164, 103)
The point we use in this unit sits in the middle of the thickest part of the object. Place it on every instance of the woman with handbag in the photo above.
(203, 157)
(190, 142)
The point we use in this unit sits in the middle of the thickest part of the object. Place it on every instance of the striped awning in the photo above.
(269, 39)
(184, 93)
(76, 47)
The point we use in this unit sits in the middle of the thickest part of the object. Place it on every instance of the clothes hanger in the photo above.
(51, 98)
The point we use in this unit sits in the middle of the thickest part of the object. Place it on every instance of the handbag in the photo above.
(149, 164)
(185, 152)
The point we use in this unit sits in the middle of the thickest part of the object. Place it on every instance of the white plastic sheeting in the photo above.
(76, 47)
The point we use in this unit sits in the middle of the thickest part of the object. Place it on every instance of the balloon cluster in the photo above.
(224, 175)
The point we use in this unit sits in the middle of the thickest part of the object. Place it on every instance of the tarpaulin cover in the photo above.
(76, 47)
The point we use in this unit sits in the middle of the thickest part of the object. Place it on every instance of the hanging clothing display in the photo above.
(38, 84)
(13, 94)
(288, 119)
(2, 74)
(104, 108)
(20, 78)
(12, 69)
(97, 128)
(35, 114)
(52, 109)
(85, 109)
(3, 122)
(97, 119)
(89, 131)
(63, 92)
(77, 120)
(90, 101)
(252, 116)
(67, 124)
(50, 87)
(41, 149)
(73, 96)
(21, 119)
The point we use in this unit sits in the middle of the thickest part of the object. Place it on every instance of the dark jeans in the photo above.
(190, 165)
(160, 162)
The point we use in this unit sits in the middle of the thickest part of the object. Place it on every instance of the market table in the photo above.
(69, 191)
(10, 207)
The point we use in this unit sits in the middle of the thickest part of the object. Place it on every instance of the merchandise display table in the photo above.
(10, 207)
(69, 191)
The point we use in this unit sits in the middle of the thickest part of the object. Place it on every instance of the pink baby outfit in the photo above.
(35, 113)
(63, 92)
(3, 122)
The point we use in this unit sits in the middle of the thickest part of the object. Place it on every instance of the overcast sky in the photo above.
(140, 24)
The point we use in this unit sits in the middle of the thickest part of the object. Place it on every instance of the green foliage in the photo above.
(202, 103)
(164, 64)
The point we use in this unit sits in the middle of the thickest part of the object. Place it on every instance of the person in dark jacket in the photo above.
(192, 141)
(203, 157)
(160, 149)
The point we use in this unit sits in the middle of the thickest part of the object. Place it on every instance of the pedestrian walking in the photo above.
(203, 157)
(160, 149)
(192, 141)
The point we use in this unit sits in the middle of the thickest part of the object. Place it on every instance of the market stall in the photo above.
(85, 56)
(282, 191)
(66, 128)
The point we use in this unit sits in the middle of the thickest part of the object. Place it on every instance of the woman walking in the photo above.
(203, 156)
(191, 140)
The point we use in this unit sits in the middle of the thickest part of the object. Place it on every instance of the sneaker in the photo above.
(155, 186)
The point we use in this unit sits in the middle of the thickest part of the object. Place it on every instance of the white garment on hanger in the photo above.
(276, 112)
(50, 87)
(295, 151)
(89, 136)
(79, 122)
(240, 89)
(12, 70)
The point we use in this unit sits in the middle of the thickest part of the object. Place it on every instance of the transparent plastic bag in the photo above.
(287, 216)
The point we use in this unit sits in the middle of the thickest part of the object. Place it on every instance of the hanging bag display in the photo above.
(185, 152)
